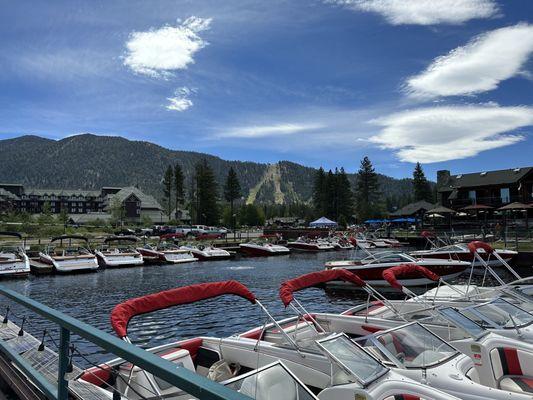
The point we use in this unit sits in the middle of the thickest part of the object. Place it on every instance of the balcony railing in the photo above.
(495, 202)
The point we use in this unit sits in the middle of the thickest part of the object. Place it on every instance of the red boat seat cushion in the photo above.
(512, 369)
(403, 397)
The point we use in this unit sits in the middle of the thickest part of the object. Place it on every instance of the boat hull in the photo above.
(256, 251)
(309, 247)
(118, 261)
(201, 256)
(18, 268)
(71, 264)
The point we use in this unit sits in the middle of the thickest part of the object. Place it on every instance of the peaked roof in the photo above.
(502, 176)
(146, 200)
(8, 195)
(413, 208)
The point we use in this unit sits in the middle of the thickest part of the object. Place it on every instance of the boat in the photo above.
(472, 364)
(371, 268)
(207, 253)
(119, 251)
(309, 245)
(166, 252)
(460, 251)
(14, 262)
(253, 363)
(68, 254)
(263, 249)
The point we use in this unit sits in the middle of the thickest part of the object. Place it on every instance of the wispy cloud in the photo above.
(477, 67)
(436, 134)
(180, 101)
(424, 12)
(259, 131)
(160, 52)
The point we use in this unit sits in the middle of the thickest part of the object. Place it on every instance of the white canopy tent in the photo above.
(323, 222)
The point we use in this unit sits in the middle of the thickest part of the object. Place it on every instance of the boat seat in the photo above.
(205, 358)
(517, 384)
(403, 397)
(513, 369)
(270, 384)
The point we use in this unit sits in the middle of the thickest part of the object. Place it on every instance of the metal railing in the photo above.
(182, 378)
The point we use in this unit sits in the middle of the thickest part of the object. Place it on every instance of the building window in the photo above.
(505, 195)
(472, 195)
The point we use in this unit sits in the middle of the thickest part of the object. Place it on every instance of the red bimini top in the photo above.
(313, 279)
(476, 244)
(392, 274)
(123, 312)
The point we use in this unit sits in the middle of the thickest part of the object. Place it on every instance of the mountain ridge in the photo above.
(89, 161)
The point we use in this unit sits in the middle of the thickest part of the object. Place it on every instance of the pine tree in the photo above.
(179, 187)
(319, 192)
(207, 211)
(344, 196)
(232, 191)
(367, 194)
(331, 196)
(167, 190)
(421, 187)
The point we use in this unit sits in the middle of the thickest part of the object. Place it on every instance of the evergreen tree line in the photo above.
(334, 198)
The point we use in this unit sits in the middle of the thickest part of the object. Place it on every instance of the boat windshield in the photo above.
(411, 346)
(499, 314)
(167, 246)
(456, 318)
(273, 381)
(350, 358)
(390, 257)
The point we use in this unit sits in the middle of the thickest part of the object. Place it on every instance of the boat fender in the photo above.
(221, 370)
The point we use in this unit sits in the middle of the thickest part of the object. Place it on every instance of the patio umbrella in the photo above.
(443, 210)
(517, 206)
(477, 208)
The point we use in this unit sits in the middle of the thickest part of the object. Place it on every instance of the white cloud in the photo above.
(436, 134)
(180, 101)
(158, 52)
(424, 12)
(259, 131)
(477, 67)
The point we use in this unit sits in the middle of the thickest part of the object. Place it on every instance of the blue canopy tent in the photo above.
(323, 223)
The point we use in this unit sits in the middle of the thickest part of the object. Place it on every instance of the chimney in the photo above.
(443, 178)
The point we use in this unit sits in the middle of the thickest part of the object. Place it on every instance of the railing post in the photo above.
(62, 384)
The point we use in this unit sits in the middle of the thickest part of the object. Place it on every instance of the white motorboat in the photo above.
(68, 254)
(263, 249)
(371, 268)
(207, 253)
(313, 246)
(460, 251)
(119, 251)
(253, 364)
(471, 363)
(166, 252)
(14, 262)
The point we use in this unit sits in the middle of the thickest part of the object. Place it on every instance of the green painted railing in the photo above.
(185, 379)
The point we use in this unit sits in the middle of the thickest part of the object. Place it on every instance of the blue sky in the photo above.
(448, 83)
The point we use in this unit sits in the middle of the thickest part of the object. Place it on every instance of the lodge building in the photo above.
(490, 188)
(96, 203)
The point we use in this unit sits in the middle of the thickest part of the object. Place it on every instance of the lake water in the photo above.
(91, 297)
